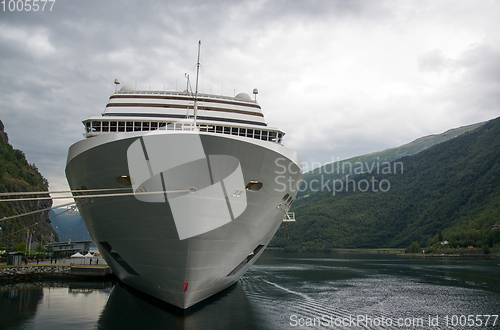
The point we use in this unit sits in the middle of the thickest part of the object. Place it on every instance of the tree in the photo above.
(48, 248)
(40, 248)
(414, 247)
(21, 247)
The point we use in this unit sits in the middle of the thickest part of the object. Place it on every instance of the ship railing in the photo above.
(72, 210)
(289, 217)
(101, 127)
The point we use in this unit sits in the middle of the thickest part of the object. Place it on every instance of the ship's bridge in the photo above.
(166, 104)
(129, 110)
(105, 125)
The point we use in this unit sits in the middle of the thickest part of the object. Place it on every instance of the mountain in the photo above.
(451, 189)
(17, 175)
(360, 164)
(69, 227)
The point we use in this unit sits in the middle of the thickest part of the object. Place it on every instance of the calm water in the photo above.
(283, 291)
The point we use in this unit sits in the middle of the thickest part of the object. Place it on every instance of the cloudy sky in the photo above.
(341, 77)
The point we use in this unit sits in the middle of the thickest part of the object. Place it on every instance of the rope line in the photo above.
(92, 196)
(37, 211)
(285, 238)
(36, 223)
(56, 192)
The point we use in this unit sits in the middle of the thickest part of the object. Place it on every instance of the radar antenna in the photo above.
(117, 82)
(255, 92)
(196, 91)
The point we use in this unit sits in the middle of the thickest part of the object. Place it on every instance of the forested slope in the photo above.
(452, 188)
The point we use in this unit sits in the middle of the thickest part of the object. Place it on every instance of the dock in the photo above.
(63, 269)
(92, 271)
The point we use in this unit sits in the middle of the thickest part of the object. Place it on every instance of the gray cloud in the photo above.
(342, 78)
(433, 61)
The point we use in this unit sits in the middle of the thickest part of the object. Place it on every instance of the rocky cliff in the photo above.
(17, 175)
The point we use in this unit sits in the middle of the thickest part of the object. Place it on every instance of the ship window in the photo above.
(154, 125)
(124, 181)
(250, 133)
(137, 126)
(96, 126)
(121, 126)
(130, 126)
(234, 130)
(272, 136)
(256, 134)
(145, 126)
(178, 126)
(105, 126)
(112, 126)
(203, 128)
(87, 125)
(242, 131)
(264, 135)
(254, 185)
(163, 126)
(227, 130)
(279, 137)
(170, 126)
(211, 129)
(218, 129)
(289, 201)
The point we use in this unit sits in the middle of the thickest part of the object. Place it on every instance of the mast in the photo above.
(196, 91)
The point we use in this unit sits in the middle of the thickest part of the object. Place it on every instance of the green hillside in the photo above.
(452, 188)
(359, 164)
(17, 175)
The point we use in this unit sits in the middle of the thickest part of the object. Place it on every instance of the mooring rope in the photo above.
(37, 211)
(92, 196)
(35, 224)
(56, 192)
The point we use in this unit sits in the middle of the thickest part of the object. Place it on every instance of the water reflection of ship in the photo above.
(128, 308)
(89, 286)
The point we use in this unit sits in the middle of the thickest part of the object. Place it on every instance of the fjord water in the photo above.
(283, 291)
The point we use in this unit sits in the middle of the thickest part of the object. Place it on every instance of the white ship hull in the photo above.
(143, 240)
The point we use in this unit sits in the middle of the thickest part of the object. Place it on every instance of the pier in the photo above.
(63, 269)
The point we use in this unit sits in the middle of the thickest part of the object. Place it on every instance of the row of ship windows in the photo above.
(130, 126)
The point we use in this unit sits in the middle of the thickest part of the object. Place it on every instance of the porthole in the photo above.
(254, 185)
(124, 181)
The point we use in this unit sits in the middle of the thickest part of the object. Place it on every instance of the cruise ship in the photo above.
(181, 191)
